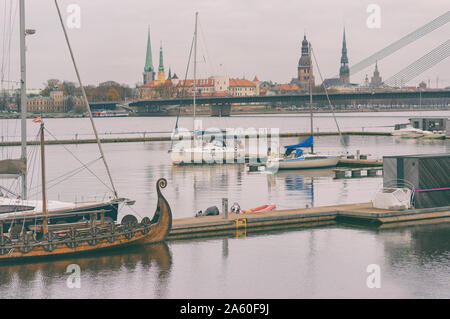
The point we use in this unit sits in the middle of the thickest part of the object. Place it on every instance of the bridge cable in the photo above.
(397, 45)
(422, 64)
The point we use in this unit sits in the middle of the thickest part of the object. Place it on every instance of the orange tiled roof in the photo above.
(214, 94)
(241, 82)
(287, 87)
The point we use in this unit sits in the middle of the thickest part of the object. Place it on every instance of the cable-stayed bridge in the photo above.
(401, 43)
(387, 96)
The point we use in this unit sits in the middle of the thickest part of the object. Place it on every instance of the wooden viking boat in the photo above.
(46, 232)
(97, 233)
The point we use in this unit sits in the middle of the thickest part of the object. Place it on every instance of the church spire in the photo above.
(161, 63)
(161, 75)
(148, 57)
(344, 58)
(344, 71)
(149, 71)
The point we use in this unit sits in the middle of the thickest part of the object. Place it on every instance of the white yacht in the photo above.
(408, 132)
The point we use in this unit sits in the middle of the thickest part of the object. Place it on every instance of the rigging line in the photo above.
(206, 48)
(86, 101)
(4, 40)
(7, 50)
(73, 155)
(9, 43)
(70, 172)
(33, 158)
(73, 173)
(328, 98)
(183, 88)
(14, 182)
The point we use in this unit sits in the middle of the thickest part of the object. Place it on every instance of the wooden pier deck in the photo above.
(357, 214)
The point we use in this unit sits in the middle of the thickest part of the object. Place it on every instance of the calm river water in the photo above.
(305, 263)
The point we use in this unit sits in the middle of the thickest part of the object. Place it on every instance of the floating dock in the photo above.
(357, 172)
(360, 162)
(355, 214)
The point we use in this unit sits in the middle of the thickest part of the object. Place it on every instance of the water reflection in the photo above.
(300, 183)
(426, 242)
(43, 277)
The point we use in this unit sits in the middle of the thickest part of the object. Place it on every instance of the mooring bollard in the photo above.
(225, 208)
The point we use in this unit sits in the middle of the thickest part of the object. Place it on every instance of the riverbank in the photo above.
(240, 110)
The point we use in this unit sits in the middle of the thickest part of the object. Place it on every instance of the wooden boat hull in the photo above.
(67, 242)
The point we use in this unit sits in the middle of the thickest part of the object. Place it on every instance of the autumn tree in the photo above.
(49, 86)
(112, 95)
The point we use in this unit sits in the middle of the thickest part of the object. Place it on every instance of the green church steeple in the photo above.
(161, 63)
(148, 57)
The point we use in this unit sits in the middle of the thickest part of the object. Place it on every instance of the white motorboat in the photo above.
(408, 132)
(437, 135)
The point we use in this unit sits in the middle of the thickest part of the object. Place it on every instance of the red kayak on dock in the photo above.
(263, 208)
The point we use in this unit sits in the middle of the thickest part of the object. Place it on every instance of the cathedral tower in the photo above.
(376, 80)
(305, 70)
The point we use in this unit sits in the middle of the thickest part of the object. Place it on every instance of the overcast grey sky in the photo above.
(237, 37)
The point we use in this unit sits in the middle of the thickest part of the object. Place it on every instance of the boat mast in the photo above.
(23, 95)
(87, 102)
(310, 97)
(195, 68)
(44, 194)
